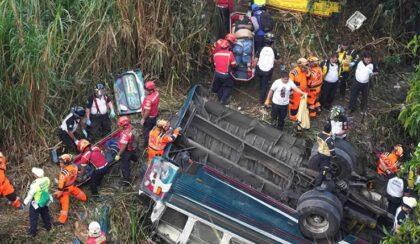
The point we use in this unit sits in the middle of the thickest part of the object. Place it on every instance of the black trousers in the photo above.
(69, 146)
(223, 86)
(33, 218)
(328, 91)
(356, 89)
(258, 43)
(278, 115)
(393, 203)
(224, 22)
(96, 179)
(148, 125)
(100, 127)
(343, 82)
(265, 80)
(324, 166)
(126, 157)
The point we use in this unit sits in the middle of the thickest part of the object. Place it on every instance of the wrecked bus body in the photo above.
(253, 183)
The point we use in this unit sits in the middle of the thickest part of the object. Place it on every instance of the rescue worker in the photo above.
(299, 75)
(279, 94)
(403, 212)
(339, 122)
(331, 71)
(388, 162)
(159, 138)
(99, 109)
(92, 155)
(265, 65)
(217, 46)
(224, 61)
(346, 55)
(127, 152)
(259, 33)
(364, 71)
(396, 188)
(39, 198)
(326, 151)
(225, 8)
(149, 110)
(314, 86)
(69, 126)
(66, 186)
(6, 188)
(95, 234)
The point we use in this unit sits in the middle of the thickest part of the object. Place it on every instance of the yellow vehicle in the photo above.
(323, 8)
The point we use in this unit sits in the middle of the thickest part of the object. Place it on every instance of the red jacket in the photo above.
(223, 60)
(225, 4)
(151, 102)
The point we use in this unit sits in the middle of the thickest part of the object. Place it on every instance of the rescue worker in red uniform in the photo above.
(66, 186)
(159, 138)
(230, 37)
(149, 110)
(388, 162)
(6, 188)
(225, 8)
(94, 156)
(127, 152)
(224, 61)
(299, 75)
(314, 86)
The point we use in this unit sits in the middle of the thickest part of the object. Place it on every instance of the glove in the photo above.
(22, 206)
(112, 114)
(117, 157)
(177, 131)
(85, 133)
(88, 122)
(267, 103)
(76, 141)
(58, 194)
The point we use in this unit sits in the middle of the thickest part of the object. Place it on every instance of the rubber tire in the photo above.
(343, 160)
(322, 195)
(324, 204)
(348, 148)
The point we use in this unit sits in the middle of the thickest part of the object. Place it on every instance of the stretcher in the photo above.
(244, 63)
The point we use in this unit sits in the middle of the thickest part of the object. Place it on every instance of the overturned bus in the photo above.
(231, 179)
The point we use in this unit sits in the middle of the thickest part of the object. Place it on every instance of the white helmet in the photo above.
(94, 229)
(410, 202)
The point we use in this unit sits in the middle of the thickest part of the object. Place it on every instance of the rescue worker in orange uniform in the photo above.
(314, 86)
(6, 189)
(66, 186)
(159, 138)
(388, 162)
(299, 75)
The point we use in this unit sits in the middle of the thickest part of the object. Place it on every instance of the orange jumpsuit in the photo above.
(158, 138)
(314, 89)
(66, 188)
(387, 161)
(299, 77)
(6, 189)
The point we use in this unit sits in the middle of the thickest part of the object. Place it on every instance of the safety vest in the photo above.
(345, 60)
(67, 176)
(41, 185)
(387, 161)
(315, 79)
(299, 78)
(158, 138)
(260, 2)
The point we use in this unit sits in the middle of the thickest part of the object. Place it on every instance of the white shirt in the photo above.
(363, 72)
(101, 105)
(266, 59)
(281, 91)
(337, 128)
(70, 123)
(332, 75)
(395, 187)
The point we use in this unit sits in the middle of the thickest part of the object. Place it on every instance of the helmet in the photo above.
(99, 89)
(82, 145)
(313, 59)
(3, 159)
(302, 61)
(38, 172)
(230, 37)
(336, 111)
(150, 85)
(94, 229)
(398, 150)
(163, 124)
(224, 44)
(66, 158)
(269, 38)
(123, 121)
(410, 202)
(78, 111)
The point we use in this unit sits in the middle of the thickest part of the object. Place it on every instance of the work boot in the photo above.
(58, 223)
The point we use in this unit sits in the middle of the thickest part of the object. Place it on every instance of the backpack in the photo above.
(44, 199)
(265, 21)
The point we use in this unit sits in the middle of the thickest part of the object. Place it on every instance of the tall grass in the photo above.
(53, 52)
